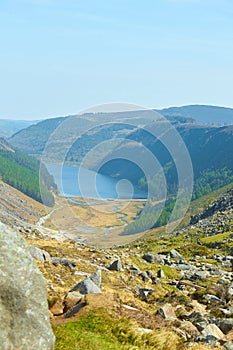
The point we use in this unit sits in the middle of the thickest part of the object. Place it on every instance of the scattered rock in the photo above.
(65, 262)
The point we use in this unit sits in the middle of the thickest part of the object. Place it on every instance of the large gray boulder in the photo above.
(24, 317)
(86, 286)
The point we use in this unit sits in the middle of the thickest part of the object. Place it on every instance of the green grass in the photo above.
(97, 331)
(216, 238)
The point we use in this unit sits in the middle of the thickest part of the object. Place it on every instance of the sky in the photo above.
(58, 57)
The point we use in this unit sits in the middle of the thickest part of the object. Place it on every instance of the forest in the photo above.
(23, 173)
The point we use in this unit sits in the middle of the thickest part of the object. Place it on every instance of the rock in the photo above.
(226, 325)
(153, 258)
(144, 277)
(197, 319)
(184, 267)
(39, 254)
(116, 266)
(151, 274)
(208, 339)
(190, 330)
(57, 308)
(175, 255)
(228, 346)
(167, 312)
(199, 276)
(71, 300)
(161, 274)
(24, 315)
(65, 262)
(230, 290)
(214, 331)
(213, 299)
(96, 278)
(145, 292)
(135, 270)
(86, 286)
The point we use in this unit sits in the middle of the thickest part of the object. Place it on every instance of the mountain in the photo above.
(33, 139)
(202, 114)
(10, 127)
(23, 173)
(209, 149)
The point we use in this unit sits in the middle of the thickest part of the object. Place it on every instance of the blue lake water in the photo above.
(75, 181)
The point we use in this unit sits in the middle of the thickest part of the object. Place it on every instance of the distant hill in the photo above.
(203, 114)
(209, 146)
(33, 139)
(10, 127)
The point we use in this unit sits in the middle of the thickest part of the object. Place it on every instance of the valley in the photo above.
(116, 278)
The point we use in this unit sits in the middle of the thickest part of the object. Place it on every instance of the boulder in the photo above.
(230, 289)
(226, 325)
(153, 258)
(167, 312)
(86, 286)
(190, 330)
(214, 331)
(24, 315)
(197, 319)
(175, 255)
(96, 278)
(213, 299)
(161, 274)
(145, 292)
(135, 270)
(39, 254)
(144, 276)
(116, 266)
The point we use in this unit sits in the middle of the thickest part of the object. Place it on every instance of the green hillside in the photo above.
(22, 172)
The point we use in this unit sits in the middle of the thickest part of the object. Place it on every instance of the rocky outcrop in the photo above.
(24, 314)
(219, 205)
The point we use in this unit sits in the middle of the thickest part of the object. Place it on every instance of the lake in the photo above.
(75, 181)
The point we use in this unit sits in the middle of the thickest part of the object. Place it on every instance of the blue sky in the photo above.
(58, 57)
